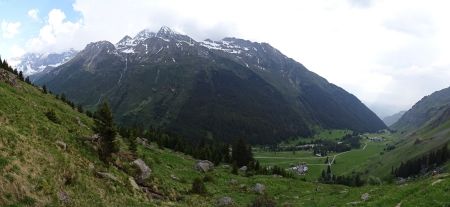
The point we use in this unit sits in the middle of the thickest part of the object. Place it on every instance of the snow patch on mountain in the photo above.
(32, 63)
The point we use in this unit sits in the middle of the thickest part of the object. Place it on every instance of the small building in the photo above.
(376, 139)
(300, 169)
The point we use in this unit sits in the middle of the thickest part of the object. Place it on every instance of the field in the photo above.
(345, 162)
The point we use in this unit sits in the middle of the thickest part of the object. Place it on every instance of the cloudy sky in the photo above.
(388, 53)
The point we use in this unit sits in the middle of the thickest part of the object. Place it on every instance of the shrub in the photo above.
(198, 187)
(3, 162)
(263, 201)
(51, 115)
(208, 178)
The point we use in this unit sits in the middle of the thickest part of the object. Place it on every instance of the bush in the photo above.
(208, 178)
(263, 201)
(51, 115)
(198, 187)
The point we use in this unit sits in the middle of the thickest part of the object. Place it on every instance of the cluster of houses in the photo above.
(300, 169)
(376, 139)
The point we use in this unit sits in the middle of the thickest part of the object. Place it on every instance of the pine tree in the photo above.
(105, 127)
(241, 153)
(44, 89)
(21, 76)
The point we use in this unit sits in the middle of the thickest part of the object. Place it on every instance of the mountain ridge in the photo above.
(153, 78)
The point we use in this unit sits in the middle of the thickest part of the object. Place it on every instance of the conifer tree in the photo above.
(105, 127)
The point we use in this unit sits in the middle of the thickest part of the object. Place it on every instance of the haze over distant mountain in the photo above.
(432, 109)
(217, 89)
(389, 120)
(32, 64)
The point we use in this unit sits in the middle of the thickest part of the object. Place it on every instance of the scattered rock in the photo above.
(259, 188)
(152, 194)
(204, 165)
(140, 141)
(133, 183)
(277, 176)
(436, 182)
(399, 204)
(79, 122)
(91, 166)
(401, 181)
(233, 182)
(365, 197)
(174, 177)
(108, 176)
(63, 197)
(145, 170)
(93, 138)
(243, 169)
(225, 201)
(62, 145)
(243, 186)
(226, 166)
(354, 203)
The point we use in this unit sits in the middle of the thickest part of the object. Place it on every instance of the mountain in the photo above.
(216, 89)
(32, 64)
(422, 129)
(389, 120)
(430, 108)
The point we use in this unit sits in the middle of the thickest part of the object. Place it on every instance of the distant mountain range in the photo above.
(36, 64)
(389, 120)
(222, 89)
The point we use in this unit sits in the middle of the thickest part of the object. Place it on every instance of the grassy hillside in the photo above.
(37, 171)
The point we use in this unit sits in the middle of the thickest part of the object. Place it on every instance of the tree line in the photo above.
(422, 164)
(353, 179)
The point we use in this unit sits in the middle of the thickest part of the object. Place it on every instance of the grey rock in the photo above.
(63, 197)
(133, 183)
(62, 145)
(233, 182)
(225, 201)
(243, 168)
(204, 165)
(108, 176)
(145, 170)
(259, 188)
(365, 196)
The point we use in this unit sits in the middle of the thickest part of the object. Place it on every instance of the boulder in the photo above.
(133, 183)
(365, 197)
(233, 182)
(259, 188)
(63, 197)
(204, 165)
(108, 176)
(243, 168)
(145, 170)
(62, 145)
(225, 201)
(174, 177)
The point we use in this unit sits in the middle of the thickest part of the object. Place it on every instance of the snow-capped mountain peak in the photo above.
(32, 63)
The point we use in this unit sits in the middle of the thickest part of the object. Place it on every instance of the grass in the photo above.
(34, 170)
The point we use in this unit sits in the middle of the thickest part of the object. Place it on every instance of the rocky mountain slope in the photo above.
(217, 89)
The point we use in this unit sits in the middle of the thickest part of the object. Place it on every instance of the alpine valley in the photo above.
(160, 119)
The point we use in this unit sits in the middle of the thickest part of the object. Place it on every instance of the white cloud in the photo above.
(56, 35)
(33, 14)
(374, 49)
(10, 29)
